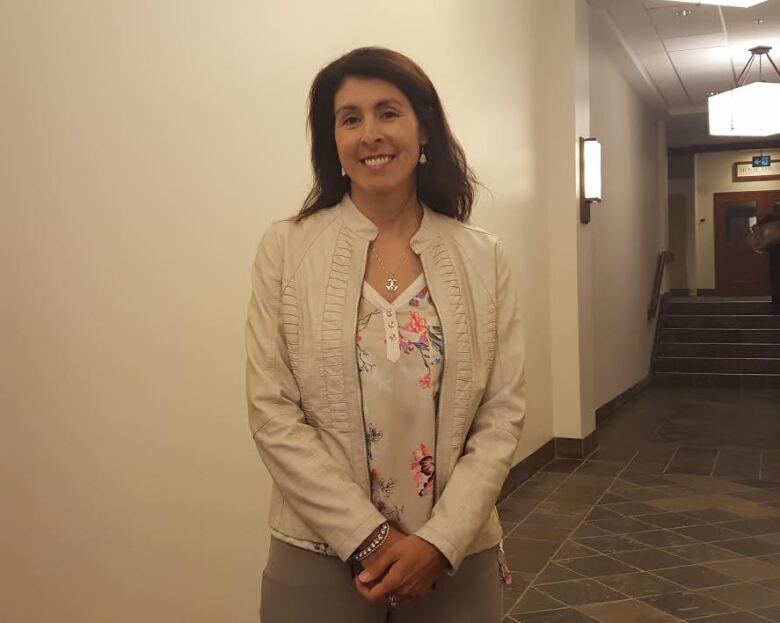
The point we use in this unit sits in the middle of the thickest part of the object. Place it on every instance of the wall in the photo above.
(682, 223)
(558, 205)
(713, 173)
(145, 148)
(628, 229)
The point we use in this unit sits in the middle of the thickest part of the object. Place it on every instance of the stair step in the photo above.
(694, 379)
(722, 321)
(723, 365)
(697, 307)
(708, 349)
(730, 336)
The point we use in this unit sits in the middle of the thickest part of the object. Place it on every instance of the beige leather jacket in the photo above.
(303, 388)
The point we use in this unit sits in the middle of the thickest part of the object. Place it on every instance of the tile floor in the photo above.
(676, 517)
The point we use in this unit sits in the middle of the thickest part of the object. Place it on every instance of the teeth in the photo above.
(373, 162)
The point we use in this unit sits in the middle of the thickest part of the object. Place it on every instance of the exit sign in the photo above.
(762, 161)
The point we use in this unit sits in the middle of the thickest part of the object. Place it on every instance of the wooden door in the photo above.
(740, 271)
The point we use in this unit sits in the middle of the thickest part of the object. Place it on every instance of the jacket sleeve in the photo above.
(318, 489)
(480, 472)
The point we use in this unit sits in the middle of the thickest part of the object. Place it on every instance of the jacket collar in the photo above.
(365, 228)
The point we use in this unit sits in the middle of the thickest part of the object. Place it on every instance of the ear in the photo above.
(423, 135)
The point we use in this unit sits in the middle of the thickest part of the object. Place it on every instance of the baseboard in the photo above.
(556, 448)
(622, 399)
(566, 448)
(527, 468)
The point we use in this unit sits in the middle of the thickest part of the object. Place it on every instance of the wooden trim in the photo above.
(700, 149)
(706, 292)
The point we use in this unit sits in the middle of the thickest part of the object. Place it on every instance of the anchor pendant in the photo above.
(392, 284)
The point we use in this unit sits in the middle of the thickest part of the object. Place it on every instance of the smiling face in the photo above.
(378, 136)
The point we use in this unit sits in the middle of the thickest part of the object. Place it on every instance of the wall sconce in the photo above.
(590, 176)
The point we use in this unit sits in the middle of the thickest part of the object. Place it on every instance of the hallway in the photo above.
(676, 517)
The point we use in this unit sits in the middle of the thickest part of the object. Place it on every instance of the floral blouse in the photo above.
(400, 353)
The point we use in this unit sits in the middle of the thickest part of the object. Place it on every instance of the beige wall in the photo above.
(144, 150)
(713, 174)
(558, 203)
(145, 147)
(629, 228)
(682, 222)
(678, 233)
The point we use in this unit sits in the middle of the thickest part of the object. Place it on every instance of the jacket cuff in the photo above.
(362, 531)
(450, 552)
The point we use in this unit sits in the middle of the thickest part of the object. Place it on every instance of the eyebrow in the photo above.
(379, 104)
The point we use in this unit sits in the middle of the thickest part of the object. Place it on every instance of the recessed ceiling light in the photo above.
(684, 13)
(740, 3)
(711, 93)
(758, 21)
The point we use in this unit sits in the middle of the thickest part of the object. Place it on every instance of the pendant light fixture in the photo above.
(738, 3)
(749, 109)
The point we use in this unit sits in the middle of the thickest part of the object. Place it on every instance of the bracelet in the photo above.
(375, 543)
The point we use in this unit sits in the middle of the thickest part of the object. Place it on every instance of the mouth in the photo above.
(375, 162)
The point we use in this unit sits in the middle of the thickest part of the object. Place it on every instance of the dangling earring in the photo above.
(343, 172)
(423, 158)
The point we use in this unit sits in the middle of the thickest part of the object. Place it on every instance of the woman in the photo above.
(385, 366)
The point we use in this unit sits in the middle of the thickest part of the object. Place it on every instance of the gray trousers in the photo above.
(300, 586)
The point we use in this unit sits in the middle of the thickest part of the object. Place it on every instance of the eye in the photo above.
(389, 114)
(349, 120)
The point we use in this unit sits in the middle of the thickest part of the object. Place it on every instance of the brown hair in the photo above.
(445, 184)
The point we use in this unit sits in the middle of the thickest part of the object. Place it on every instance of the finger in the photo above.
(389, 584)
(362, 589)
(375, 569)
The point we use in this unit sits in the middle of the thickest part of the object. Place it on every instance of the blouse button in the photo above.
(392, 336)
(391, 324)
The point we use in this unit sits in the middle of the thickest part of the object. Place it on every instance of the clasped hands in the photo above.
(405, 566)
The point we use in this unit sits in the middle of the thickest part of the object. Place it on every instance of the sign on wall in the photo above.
(746, 172)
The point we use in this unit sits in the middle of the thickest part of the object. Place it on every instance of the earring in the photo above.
(423, 158)
(343, 172)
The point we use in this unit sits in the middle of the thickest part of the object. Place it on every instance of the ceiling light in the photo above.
(684, 12)
(750, 109)
(740, 3)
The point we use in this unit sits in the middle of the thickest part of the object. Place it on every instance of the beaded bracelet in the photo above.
(375, 543)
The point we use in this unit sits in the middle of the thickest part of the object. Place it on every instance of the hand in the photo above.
(370, 564)
(407, 568)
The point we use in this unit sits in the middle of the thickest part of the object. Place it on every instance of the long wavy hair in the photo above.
(445, 184)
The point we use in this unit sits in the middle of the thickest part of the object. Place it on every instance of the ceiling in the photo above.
(682, 58)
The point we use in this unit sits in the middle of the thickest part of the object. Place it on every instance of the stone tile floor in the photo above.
(675, 517)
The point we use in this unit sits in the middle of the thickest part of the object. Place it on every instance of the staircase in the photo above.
(718, 342)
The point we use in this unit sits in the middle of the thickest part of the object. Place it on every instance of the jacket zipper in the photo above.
(359, 388)
(439, 398)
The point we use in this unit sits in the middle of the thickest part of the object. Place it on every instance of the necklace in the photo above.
(391, 283)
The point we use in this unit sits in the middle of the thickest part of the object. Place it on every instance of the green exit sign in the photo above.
(762, 161)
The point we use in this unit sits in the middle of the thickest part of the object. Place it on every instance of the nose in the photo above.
(372, 132)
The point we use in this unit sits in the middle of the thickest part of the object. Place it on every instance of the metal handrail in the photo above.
(663, 258)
